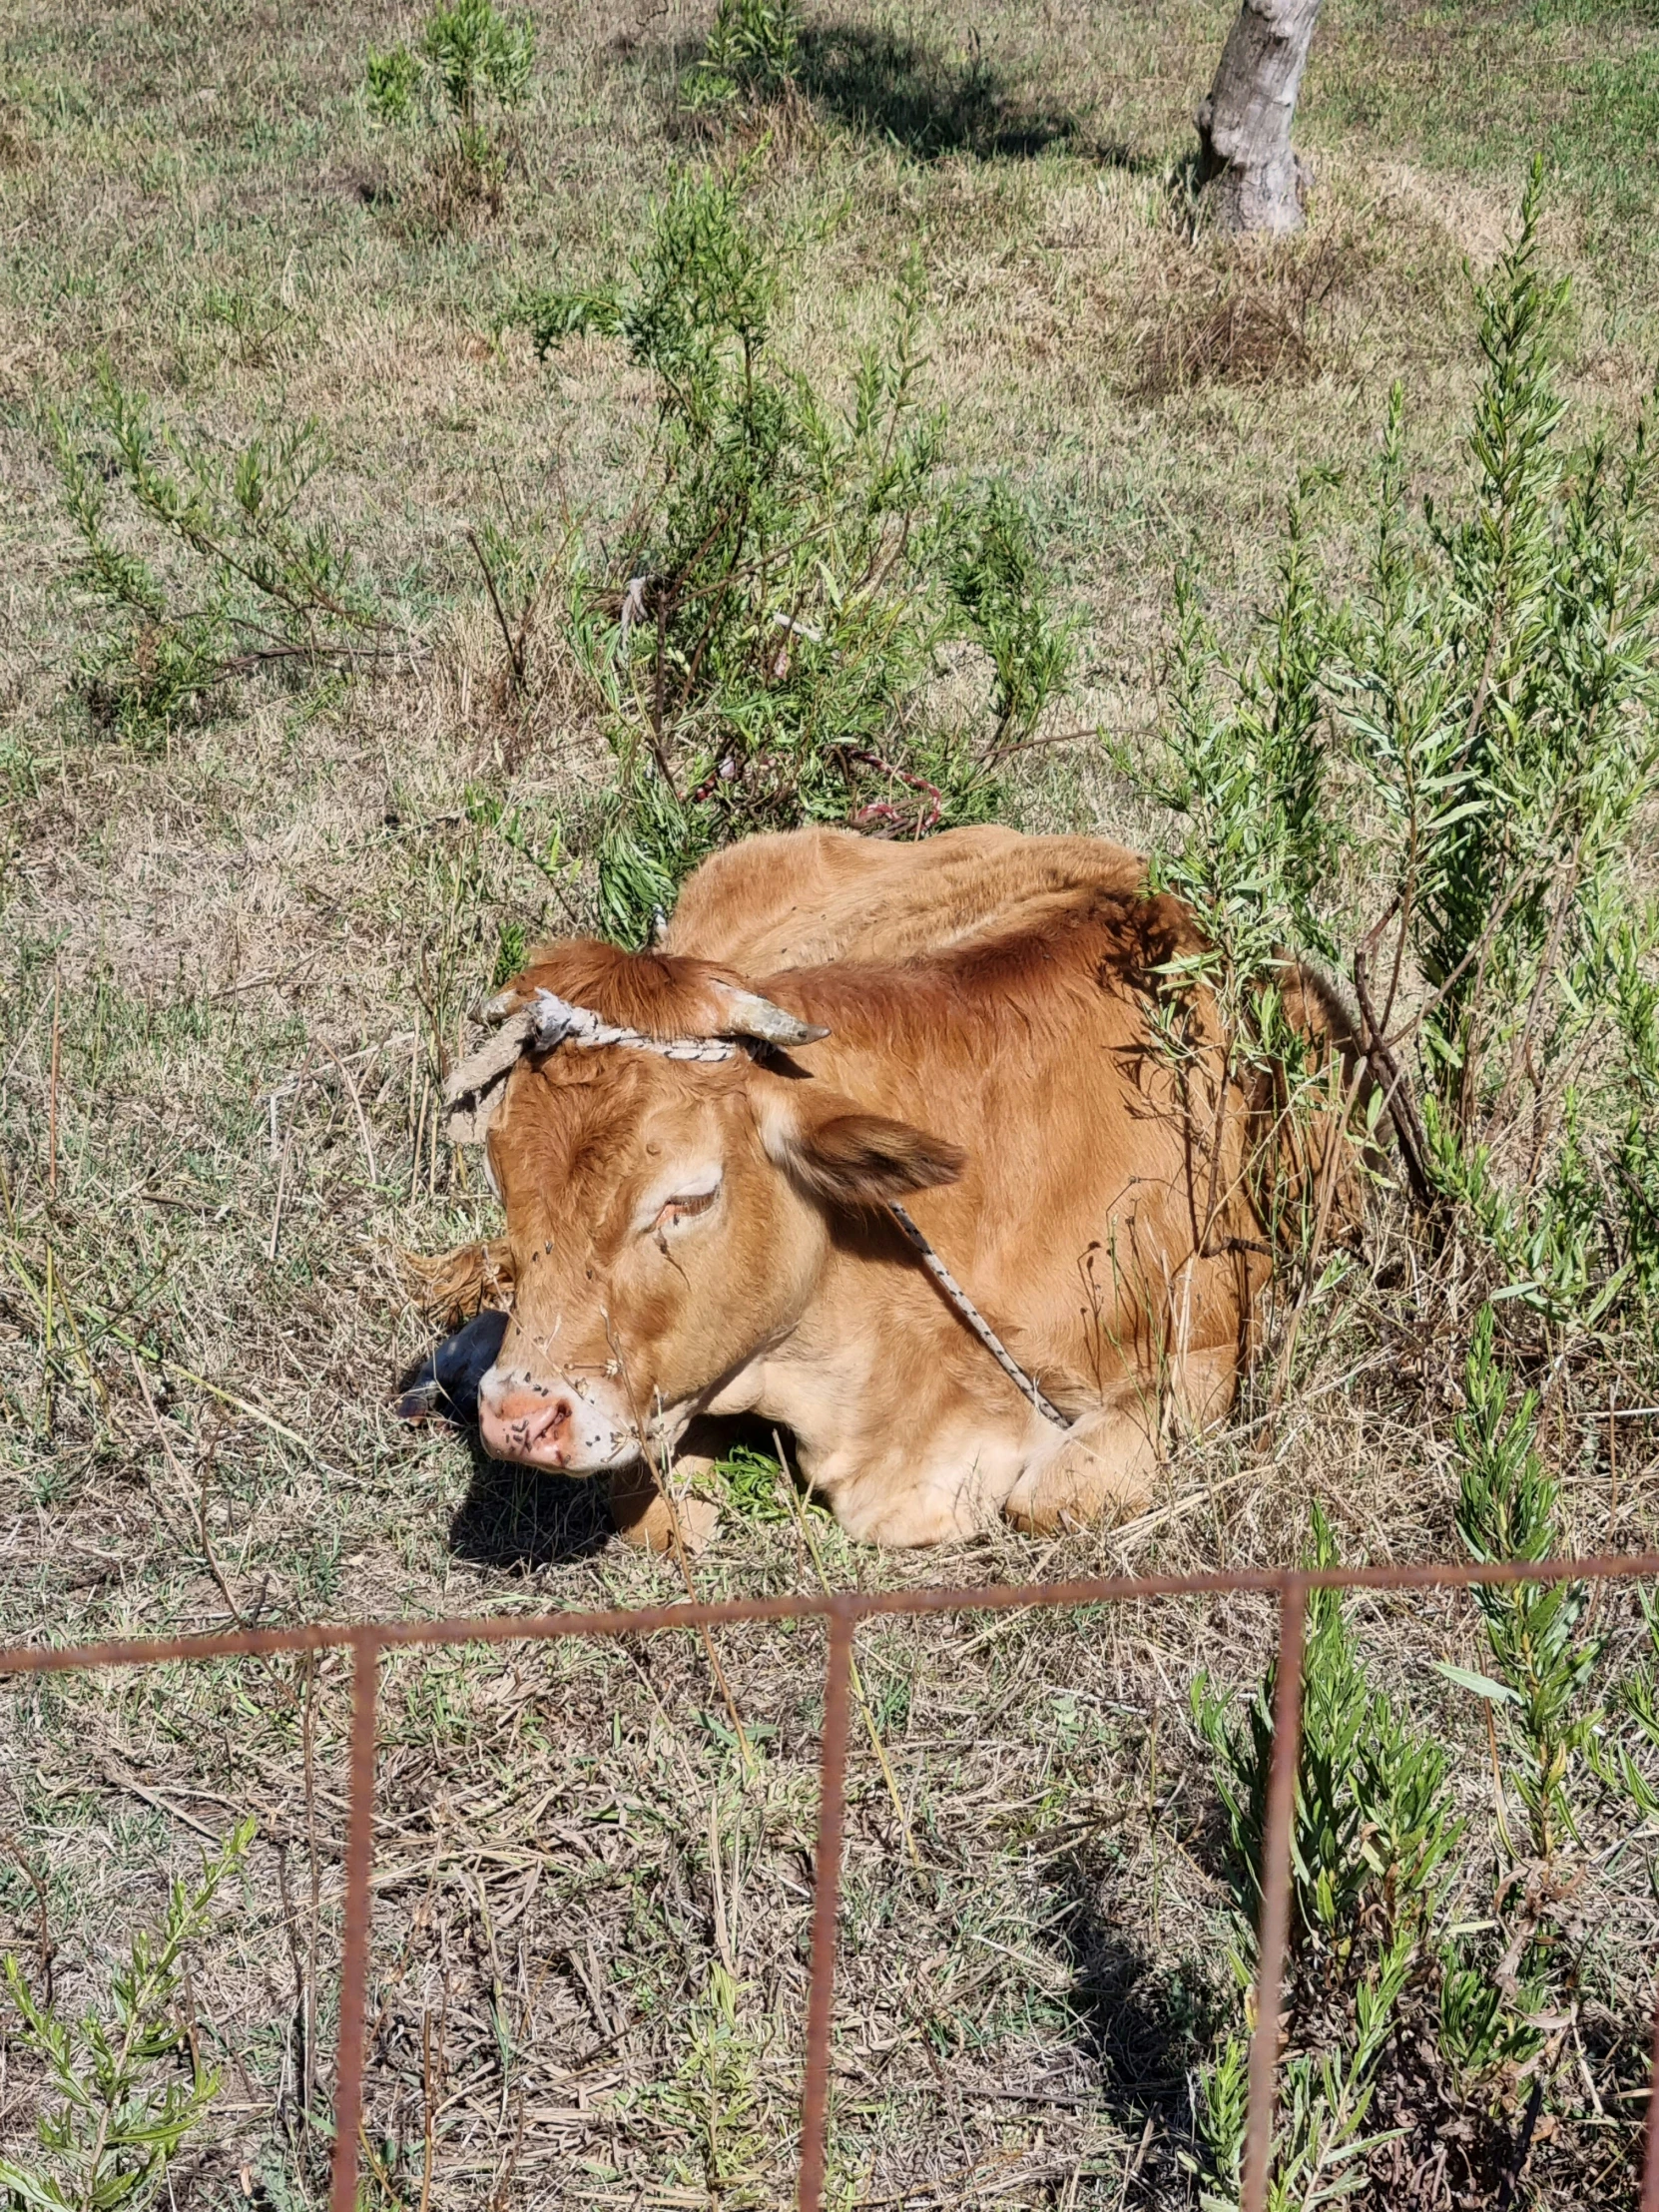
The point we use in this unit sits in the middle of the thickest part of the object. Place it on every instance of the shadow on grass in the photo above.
(901, 89)
(1146, 2021)
(515, 1519)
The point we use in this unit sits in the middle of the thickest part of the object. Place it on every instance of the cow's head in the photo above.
(667, 1215)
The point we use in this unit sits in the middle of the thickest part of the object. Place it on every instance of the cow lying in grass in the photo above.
(698, 1150)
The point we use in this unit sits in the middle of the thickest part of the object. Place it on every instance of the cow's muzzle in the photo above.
(577, 1426)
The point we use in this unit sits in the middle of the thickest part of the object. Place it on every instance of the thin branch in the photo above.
(1480, 949)
(515, 657)
(1403, 1112)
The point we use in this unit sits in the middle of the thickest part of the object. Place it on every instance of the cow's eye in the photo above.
(684, 1207)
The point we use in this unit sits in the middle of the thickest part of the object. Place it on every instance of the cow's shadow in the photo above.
(1143, 2024)
(517, 1521)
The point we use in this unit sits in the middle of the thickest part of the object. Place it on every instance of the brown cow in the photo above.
(695, 1236)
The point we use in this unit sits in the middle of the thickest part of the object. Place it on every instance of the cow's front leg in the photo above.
(1101, 1469)
(645, 1517)
(910, 1500)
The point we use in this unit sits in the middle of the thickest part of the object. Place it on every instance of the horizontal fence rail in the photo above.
(841, 1611)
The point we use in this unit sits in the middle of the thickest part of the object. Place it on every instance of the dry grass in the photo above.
(590, 1915)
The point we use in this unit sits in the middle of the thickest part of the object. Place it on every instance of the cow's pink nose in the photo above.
(527, 1425)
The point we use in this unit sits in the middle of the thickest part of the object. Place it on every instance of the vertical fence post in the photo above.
(1276, 1893)
(353, 1979)
(827, 1885)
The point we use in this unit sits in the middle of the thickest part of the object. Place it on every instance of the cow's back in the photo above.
(808, 896)
(1113, 1209)
(1086, 1221)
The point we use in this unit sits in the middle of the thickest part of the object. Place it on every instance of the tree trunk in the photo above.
(1244, 127)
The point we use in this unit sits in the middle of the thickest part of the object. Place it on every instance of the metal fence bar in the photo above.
(1274, 1932)
(826, 1890)
(353, 1979)
(841, 1610)
(507, 1628)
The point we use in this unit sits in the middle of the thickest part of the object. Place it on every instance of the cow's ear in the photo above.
(850, 1158)
(456, 1285)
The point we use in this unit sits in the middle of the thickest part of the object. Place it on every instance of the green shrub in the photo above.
(1374, 1828)
(1243, 763)
(1373, 1816)
(791, 575)
(392, 82)
(1500, 692)
(1632, 1221)
(1000, 586)
(125, 2105)
(1396, 2008)
(753, 50)
(469, 72)
(469, 56)
(1540, 1700)
(1625, 1759)
(1486, 708)
(475, 53)
(1508, 1509)
(261, 590)
(1500, 708)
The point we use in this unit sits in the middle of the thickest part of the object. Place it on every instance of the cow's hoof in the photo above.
(646, 1519)
(1080, 1485)
(699, 1519)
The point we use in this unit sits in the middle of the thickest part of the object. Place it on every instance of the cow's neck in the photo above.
(899, 1415)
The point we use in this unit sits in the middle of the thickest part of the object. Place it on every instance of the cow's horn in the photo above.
(494, 1012)
(747, 1015)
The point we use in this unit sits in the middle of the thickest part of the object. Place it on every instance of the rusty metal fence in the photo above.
(843, 1611)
